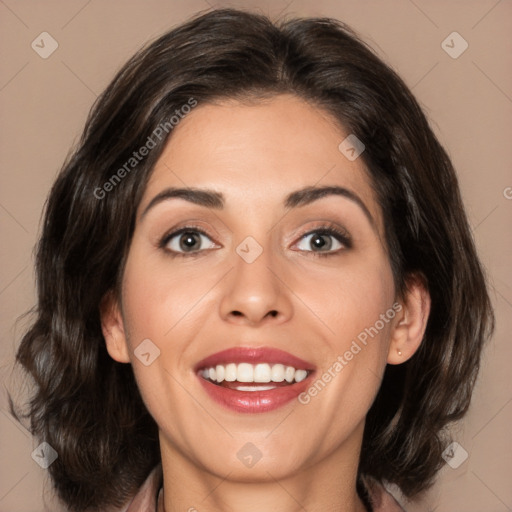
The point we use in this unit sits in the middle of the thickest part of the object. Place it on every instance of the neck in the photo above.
(328, 486)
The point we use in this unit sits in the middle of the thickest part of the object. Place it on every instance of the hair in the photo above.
(87, 406)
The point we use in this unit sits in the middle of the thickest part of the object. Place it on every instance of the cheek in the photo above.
(157, 302)
(155, 307)
(352, 298)
(161, 306)
(358, 308)
(362, 305)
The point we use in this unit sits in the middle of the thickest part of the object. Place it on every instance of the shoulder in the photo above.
(146, 498)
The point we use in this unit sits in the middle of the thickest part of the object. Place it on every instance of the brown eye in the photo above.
(187, 240)
(324, 241)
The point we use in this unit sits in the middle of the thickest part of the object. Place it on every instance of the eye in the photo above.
(324, 241)
(186, 240)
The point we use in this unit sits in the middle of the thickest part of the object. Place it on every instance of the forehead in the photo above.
(259, 151)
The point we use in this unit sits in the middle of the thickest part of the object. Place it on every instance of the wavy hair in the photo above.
(87, 406)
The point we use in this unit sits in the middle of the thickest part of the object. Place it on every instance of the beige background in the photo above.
(44, 103)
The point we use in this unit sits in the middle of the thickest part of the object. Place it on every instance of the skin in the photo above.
(195, 305)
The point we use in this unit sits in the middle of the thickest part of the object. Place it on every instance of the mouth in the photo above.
(253, 380)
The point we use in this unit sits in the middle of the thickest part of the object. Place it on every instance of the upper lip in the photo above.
(254, 355)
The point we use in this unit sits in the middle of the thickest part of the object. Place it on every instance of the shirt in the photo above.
(150, 494)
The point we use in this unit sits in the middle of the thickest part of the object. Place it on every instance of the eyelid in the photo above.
(329, 229)
(174, 232)
(326, 228)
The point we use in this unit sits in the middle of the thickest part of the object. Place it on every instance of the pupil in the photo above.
(188, 240)
(319, 242)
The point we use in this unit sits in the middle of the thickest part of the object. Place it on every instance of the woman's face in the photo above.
(251, 271)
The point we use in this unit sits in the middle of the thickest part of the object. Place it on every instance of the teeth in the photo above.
(277, 373)
(245, 373)
(220, 372)
(230, 373)
(300, 375)
(255, 388)
(261, 373)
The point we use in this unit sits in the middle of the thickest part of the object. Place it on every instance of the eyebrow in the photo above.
(212, 199)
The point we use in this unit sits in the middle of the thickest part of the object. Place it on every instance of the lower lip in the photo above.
(254, 401)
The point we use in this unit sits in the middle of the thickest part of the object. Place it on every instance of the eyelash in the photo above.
(327, 229)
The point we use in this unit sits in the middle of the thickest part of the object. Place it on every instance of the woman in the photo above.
(257, 287)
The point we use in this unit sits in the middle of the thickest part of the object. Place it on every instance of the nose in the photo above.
(256, 293)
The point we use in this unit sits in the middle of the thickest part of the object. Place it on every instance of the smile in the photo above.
(259, 373)
(253, 380)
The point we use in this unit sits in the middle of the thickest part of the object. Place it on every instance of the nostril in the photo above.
(274, 313)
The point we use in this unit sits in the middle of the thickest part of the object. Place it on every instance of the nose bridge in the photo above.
(254, 290)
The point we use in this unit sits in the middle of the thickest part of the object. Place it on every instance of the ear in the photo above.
(410, 322)
(113, 328)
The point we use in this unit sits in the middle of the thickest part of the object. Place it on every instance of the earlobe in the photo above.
(410, 325)
(113, 328)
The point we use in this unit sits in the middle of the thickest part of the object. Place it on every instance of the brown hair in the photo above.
(87, 406)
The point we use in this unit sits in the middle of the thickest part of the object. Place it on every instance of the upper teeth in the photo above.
(246, 372)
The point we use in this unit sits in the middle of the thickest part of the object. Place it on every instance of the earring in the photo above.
(399, 352)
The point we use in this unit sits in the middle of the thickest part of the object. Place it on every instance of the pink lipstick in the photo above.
(252, 380)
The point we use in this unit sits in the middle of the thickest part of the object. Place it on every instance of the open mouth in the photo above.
(253, 379)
